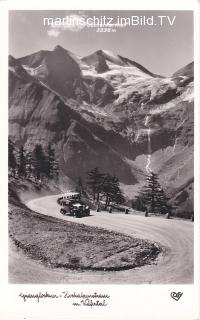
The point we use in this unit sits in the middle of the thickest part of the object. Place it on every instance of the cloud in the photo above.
(72, 22)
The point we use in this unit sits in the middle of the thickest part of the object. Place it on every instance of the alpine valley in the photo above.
(106, 111)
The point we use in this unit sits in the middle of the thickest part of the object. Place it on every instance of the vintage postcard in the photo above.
(100, 160)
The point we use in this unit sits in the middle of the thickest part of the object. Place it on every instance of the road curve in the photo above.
(174, 265)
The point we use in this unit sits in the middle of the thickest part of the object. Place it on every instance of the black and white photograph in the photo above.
(99, 165)
(100, 147)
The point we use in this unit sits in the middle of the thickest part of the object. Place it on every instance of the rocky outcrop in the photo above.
(101, 65)
(38, 115)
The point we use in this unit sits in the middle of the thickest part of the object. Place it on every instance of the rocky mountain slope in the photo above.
(108, 111)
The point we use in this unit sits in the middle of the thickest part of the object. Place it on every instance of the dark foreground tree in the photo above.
(119, 197)
(32, 164)
(29, 165)
(39, 162)
(22, 163)
(12, 163)
(111, 191)
(52, 168)
(95, 181)
(105, 188)
(80, 187)
(152, 197)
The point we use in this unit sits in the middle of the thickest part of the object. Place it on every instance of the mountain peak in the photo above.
(59, 48)
(105, 54)
(187, 71)
(99, 52)
(65, 53)
(11, 60)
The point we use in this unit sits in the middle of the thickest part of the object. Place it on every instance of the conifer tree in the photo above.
(51, 163)
(118, 197)
(12, 163)
(112, 191)
(95, 181)
(80, 187)
(29, 165)
(39, 162)
(152, 196)
(22, 163)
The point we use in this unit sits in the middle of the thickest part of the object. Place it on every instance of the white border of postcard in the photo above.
(126, 301)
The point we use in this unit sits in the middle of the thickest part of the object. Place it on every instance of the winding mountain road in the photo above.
(174, 265)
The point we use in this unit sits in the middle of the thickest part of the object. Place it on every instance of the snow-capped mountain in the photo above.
(102, 110)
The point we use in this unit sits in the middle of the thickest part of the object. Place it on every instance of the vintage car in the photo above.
(79, 210)
(72, 205)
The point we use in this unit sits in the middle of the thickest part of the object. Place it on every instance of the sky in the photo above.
(162, 49)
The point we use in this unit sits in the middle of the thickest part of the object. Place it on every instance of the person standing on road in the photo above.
(126, 211)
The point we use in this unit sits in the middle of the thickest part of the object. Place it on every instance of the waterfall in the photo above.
(148, 163)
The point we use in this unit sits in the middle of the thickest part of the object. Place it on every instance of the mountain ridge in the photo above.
(100, 51)
(100, 114)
